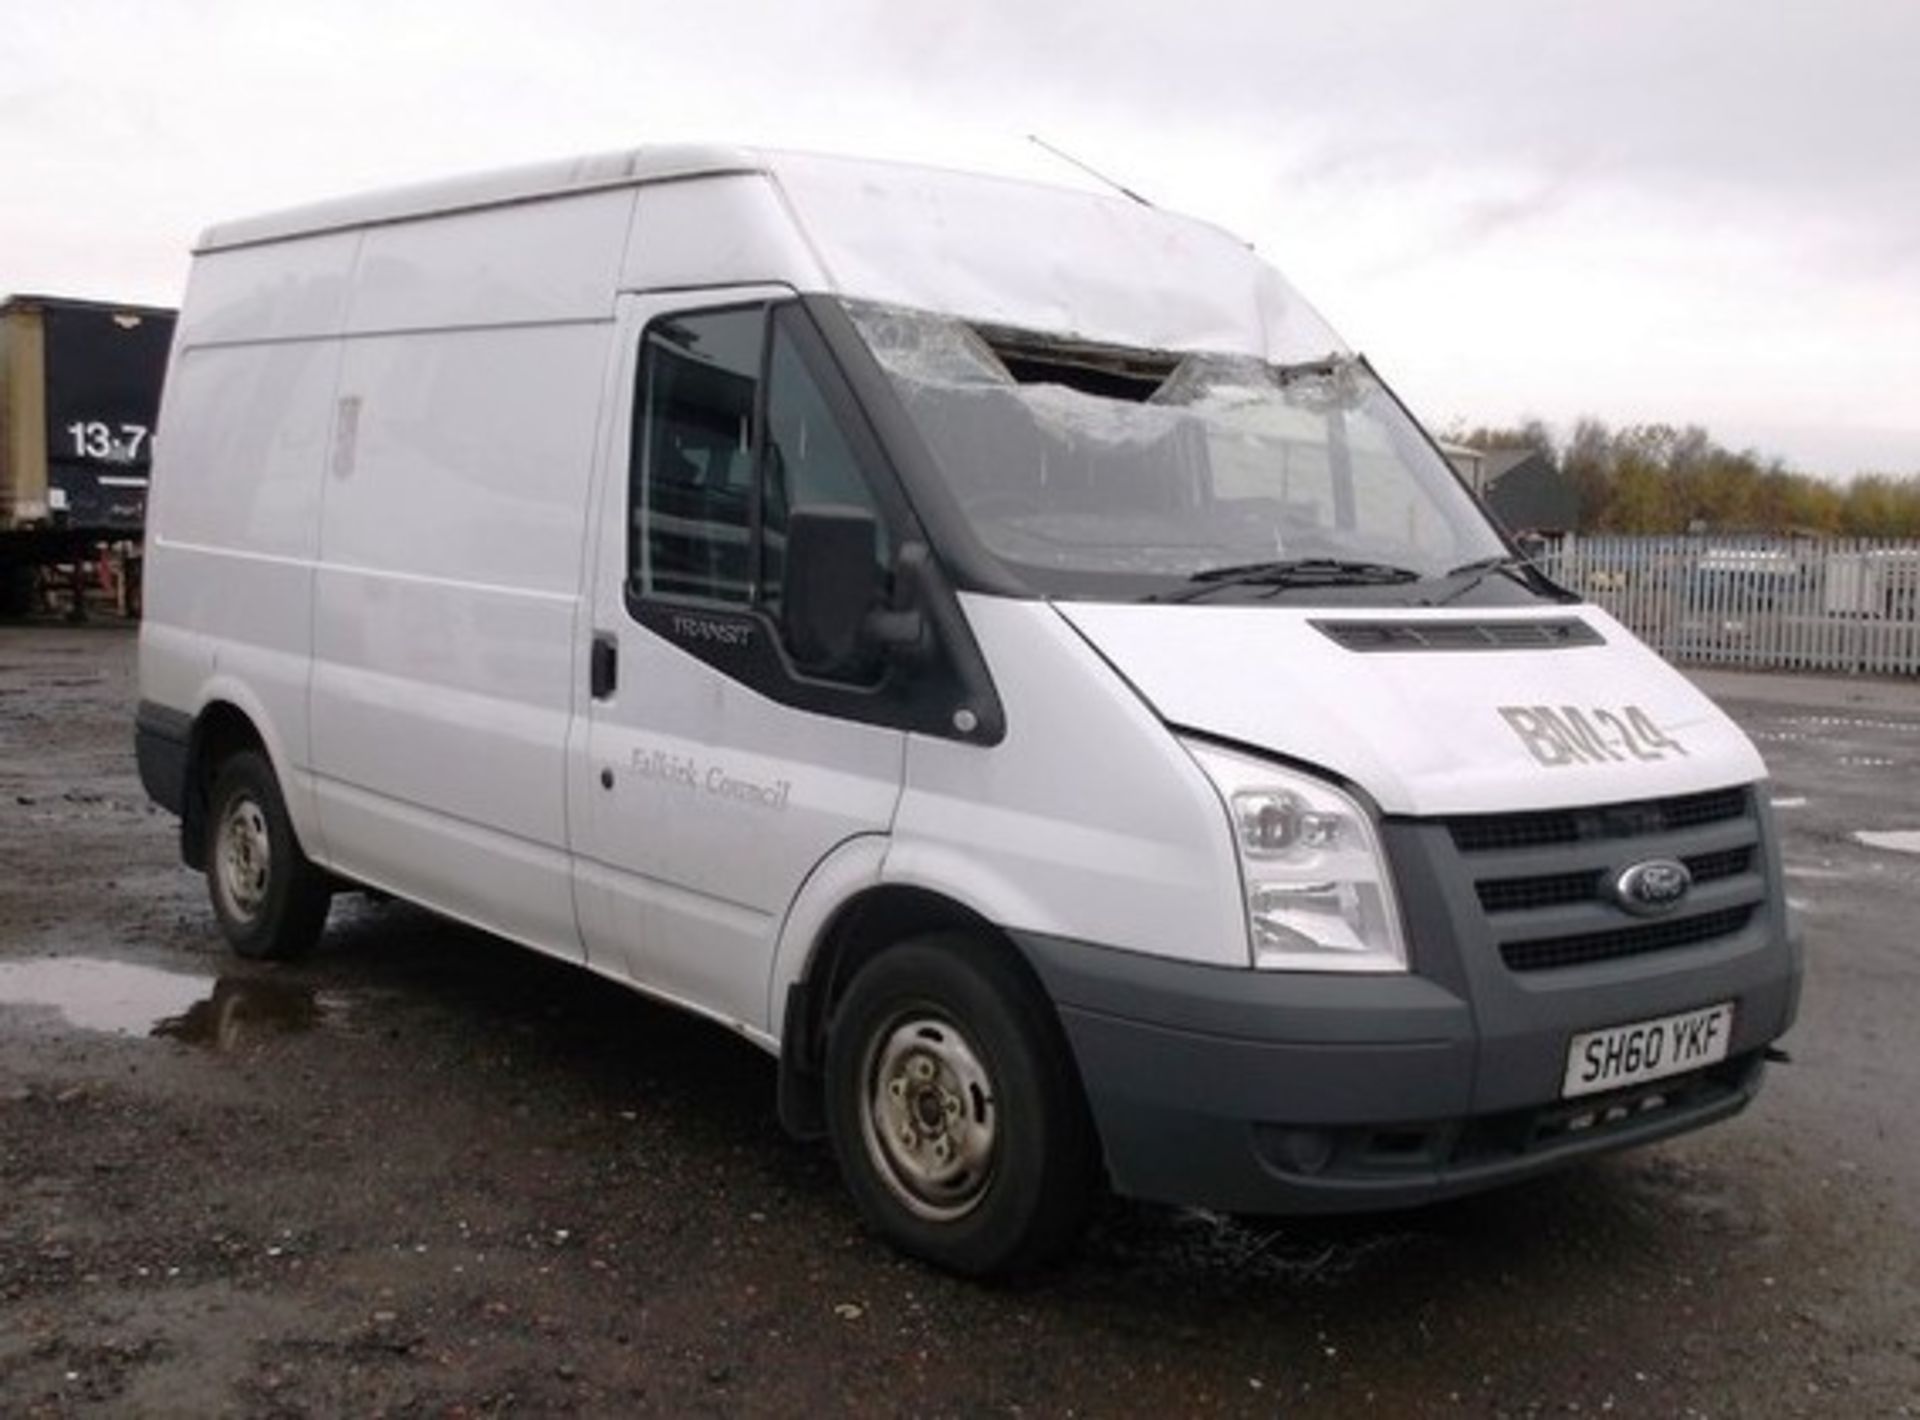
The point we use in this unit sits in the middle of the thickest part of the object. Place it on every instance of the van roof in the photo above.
(498, 187)
(997, 250)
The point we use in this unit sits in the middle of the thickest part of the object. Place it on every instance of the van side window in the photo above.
(808, 460)
(694, 456)
(738, 421)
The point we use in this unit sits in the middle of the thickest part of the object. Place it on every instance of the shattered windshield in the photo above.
(1101, 471)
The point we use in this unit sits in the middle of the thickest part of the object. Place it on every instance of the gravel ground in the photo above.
(426, 1172)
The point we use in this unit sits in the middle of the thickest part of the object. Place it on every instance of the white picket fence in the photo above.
(1800, 604)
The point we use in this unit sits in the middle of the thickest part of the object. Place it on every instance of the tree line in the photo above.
(1656, 478)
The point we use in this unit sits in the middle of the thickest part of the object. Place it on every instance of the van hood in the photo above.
(1488, 728)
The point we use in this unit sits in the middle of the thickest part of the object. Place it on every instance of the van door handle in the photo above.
(603, 673)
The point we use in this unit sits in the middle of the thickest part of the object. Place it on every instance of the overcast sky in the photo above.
(1686, 210)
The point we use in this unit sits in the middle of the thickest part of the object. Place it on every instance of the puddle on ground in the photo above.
(1903, 840)
(122, 998)
(243, 1009)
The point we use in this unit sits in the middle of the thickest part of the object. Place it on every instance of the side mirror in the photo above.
(831, 581)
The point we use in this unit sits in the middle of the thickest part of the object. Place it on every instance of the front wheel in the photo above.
(270, 900)
(954, 1110)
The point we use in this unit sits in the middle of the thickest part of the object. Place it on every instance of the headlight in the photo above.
(1319, 897)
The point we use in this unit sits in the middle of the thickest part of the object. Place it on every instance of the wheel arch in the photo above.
(859, 929)
(225, 723)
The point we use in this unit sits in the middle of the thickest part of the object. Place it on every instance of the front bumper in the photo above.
(1284, 1093)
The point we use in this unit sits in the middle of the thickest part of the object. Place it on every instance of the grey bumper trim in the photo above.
(1269, 1092)
(161, 738)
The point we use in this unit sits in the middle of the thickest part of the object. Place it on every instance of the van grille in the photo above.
(1557, 889)
(1544, 879)
(1487, 832)
(1550, 952)
(1549, 890)
(1711, 867)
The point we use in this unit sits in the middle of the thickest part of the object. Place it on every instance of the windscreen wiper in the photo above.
(1508, 564)
(1296, 572)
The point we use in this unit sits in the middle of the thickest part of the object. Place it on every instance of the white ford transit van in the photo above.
(992, 646)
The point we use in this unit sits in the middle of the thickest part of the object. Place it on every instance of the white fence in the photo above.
(1765, 603)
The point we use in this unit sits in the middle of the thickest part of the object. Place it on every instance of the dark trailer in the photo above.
(79, 395)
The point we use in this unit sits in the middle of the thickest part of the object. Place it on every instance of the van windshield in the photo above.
(1102, 471)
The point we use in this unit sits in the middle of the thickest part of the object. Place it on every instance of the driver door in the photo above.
(708, 777)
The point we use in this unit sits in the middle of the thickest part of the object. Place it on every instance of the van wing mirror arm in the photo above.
(902, 630)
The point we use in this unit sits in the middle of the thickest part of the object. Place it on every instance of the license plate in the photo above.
(1647, 1050)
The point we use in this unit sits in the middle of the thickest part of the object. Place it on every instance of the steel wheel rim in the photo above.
(930, 1116)
(243, 857)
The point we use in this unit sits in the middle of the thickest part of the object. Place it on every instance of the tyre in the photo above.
(954, 1110)
(271, 902)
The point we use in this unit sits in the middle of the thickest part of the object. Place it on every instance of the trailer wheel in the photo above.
(270, 901)
(954, 1111)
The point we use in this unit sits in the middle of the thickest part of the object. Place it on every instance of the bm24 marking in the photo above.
(1570, 735)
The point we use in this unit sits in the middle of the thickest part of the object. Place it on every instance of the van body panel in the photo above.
(232, 537)
(534, 263)
(255, 493)
(1423, 731)
(721, 804)
(257, 679)
(1087, 820)
(454, 502)
(446, 596)
(510, 885)
(837, 880)
(297, 289)
(718, 232)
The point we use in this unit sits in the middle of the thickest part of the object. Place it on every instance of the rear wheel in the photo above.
(954, 1111)
(271, 901)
